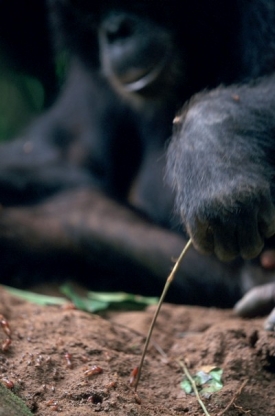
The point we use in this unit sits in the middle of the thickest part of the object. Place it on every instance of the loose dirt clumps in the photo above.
(71, 363)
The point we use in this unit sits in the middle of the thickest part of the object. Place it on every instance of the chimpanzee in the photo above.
(83, 190)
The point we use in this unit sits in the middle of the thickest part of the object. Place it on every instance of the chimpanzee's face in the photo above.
(136, 54)
(136, 48)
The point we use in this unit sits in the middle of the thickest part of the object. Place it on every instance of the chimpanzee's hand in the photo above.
(218, 163)
(230, 222)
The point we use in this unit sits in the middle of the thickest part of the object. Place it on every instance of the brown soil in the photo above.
(43, 378)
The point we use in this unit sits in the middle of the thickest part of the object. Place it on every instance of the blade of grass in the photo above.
(98, 301)
(193, 384)
(165, 290)
(35, 297)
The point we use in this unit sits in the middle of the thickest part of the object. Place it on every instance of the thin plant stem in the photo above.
(165, 290)
(238, 392)
(188, 375)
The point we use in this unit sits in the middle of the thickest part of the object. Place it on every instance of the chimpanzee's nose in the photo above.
(118, 27)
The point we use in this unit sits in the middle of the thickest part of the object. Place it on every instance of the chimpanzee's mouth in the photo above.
(134, 57)
(145, 79)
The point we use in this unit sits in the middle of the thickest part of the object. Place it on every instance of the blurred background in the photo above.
(29, 74)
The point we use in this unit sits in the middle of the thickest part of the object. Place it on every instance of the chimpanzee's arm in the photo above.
(84, 235)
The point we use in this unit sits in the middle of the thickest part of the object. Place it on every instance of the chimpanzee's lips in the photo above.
(144, 79)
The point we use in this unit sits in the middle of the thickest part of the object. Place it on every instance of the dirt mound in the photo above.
(56, 356)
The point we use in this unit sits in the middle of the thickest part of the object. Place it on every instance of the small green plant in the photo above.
(207, 382)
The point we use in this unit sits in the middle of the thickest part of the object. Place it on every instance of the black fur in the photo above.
(221, 160)
(132, 67)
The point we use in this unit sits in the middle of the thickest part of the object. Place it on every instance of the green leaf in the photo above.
(186, 386)
(80, 302)
(122, 298)
(206, 382)
(98, 301)
(36, 298)
(216, 374)
(93, 302)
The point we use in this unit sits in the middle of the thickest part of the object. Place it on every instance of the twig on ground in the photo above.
(165, 290)
(193, 384)
(241, 409)
(235, 395)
